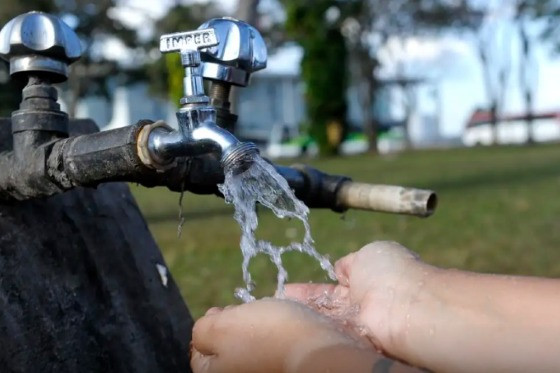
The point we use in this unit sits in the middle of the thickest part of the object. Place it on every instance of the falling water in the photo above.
(261, 183)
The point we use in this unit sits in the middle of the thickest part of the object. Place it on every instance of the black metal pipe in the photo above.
(91, 159)
(315, 188)
(88, 160)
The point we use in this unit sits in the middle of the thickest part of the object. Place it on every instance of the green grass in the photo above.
(499, 211)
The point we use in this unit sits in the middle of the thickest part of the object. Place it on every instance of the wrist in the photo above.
(441, 310)
(410, 303)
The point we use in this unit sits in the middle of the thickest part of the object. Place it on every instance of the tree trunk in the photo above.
(494, 122)
(490, 89)
(363, 68)
(530, 117)
(524, 78)
(409, 110)
(366, 104)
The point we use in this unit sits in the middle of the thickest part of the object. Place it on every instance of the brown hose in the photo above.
(387, 198)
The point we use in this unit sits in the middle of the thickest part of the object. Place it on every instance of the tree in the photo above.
(356, 28)
(324, 68)
(527, 11)
(549, 12)
(494, 50)
(366, 26)
(370, 26)
(481, 20)
(527, 67)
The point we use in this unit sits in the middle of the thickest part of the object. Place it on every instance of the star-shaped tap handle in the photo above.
(39, 43)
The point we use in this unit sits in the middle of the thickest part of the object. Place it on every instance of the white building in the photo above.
(511, 129)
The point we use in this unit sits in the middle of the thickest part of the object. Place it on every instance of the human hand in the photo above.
(376, 288)
(272, 335)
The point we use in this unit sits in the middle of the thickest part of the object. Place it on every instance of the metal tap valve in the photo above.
(187, 44)
(39, 47)
(198, 133)
(241, 52)
(37, 43)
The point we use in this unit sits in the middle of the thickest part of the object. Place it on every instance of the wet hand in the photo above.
(376, 287)
(270, 335)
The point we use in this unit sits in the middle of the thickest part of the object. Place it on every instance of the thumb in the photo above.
(343, 269)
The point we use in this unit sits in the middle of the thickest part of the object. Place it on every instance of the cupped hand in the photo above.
(376, 288)
(268, 335)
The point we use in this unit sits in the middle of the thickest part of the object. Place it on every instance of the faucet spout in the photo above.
(165, 145)
(211, 136)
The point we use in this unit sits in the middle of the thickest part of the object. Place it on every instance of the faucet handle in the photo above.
(187, 44)
(241, 52)
(188, 40)
(37, 42)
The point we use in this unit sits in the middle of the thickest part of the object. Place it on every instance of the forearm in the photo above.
(343, 359)
(463, 321)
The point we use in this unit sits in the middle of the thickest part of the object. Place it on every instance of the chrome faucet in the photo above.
(198, 132)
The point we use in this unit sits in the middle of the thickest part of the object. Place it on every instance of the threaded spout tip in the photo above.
(240, 157)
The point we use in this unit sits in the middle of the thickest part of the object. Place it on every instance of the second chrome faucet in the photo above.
(197, 131)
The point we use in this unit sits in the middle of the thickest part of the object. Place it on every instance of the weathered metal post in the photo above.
(80, 289)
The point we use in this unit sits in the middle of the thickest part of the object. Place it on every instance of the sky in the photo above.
(450, 63)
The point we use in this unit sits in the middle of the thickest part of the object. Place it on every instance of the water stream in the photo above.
(261, 183)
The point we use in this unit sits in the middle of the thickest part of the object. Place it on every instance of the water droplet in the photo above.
(181, 216)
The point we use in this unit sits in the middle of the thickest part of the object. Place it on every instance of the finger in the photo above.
(205, 334)
(201, 363)
(306, 292)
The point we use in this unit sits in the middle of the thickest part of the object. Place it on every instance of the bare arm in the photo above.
(463, 321)
(446, 320)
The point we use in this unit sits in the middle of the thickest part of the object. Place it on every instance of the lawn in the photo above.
(499, 211)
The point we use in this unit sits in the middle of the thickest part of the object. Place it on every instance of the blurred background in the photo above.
(458, 96)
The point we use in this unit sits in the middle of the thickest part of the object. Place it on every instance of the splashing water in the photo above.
(261, 183)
